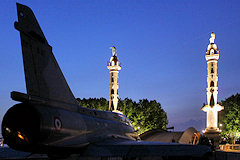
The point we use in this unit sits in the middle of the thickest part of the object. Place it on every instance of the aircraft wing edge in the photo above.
(132, 149)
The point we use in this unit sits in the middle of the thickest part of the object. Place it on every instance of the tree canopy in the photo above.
(144, 114)
(230, 118)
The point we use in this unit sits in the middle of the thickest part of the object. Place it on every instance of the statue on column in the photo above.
(212, 38)
(114, 53)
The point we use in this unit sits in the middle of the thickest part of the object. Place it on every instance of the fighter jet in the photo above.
(49, 120)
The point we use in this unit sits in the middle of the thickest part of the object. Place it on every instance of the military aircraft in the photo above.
(49, 120)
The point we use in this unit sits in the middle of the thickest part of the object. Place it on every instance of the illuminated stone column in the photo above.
(212, 108)
(114, 67)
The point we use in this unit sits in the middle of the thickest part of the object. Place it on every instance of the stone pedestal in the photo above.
(214, 137)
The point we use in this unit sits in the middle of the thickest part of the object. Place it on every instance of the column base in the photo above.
(213, 136)
(211, 130)
(117, 111)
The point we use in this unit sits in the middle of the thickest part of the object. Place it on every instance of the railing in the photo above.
(230, 147)
(109, 64)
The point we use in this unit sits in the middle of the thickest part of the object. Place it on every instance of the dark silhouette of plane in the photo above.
(49, 120)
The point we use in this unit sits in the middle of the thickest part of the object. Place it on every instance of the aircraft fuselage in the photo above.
(59, 124)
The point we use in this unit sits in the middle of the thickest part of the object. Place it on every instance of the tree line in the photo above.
(148, 114)
(145, 114)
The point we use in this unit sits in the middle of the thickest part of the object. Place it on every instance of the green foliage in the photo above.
(94, 103)
(144, 115)
(230, 118)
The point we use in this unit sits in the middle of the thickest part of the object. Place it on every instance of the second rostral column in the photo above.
(212, 108)
(114, 67)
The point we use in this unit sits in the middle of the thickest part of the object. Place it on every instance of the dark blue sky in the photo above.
(160, 44)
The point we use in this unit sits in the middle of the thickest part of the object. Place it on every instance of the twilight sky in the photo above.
(160, 44)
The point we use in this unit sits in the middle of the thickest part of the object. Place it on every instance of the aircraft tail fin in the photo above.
(43, 76)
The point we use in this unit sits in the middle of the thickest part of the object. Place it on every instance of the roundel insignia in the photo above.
(57, 123)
